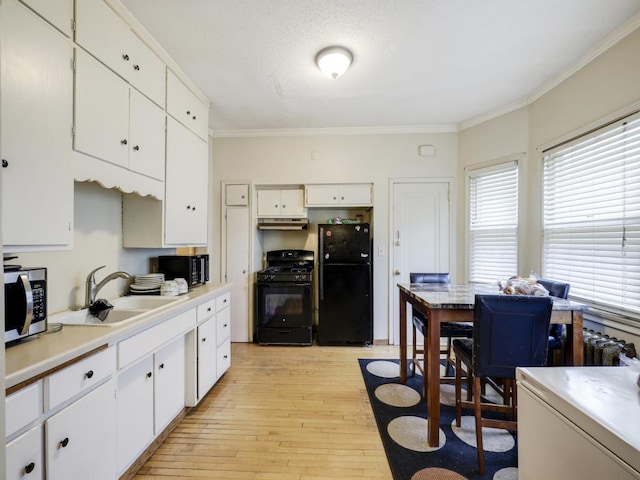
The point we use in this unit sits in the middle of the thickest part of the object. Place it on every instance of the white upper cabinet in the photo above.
(114, 122)
(185, 107)
(185, 187)
(236, 195)
(287, 202)
(106, 36)
(102, 112)
(338, 195)
(37, 96)
(57, 12)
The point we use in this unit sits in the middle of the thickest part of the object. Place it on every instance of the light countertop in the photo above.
(35, 356)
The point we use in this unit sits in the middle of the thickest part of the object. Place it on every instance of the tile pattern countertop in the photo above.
(38, 355)
(462, 297)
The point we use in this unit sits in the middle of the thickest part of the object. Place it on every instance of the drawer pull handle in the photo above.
(5, 164)
(124, 141)
(204, 339)
(226, 356)
(209, 309)
(125, 57)
(89, 374)
(64, 442)
(149, 374)
(136, 68)
(29, 468)
(161, 366)
(225, 325)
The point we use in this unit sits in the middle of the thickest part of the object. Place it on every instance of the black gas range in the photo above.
(284, 298)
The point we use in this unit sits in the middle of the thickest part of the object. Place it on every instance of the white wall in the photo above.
(338, 159)
(97, 241)
(605, 88)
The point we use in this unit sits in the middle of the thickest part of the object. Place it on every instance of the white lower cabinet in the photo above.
(207, 355)
(135, 411)
(24, 456)
(169, 384)
(80, 440)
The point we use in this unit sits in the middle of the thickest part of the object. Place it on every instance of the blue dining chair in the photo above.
(509, 331)
(448, 330)
(557, 332)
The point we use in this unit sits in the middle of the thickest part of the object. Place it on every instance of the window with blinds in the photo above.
(493, 222)
(591, 216)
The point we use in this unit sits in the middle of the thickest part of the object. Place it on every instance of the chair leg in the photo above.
(458, 390)
(478, 417)
(415, 352)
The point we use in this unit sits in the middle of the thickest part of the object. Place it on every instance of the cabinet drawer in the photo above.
(206, 310)
(144, 343)
(224, 358)
(62, 385)
(23, 407)
(223, 325)
(223, 301)
(25, 453)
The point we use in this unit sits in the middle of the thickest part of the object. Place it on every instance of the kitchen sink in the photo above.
(125, 310)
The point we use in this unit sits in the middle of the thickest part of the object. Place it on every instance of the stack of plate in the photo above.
(147, 284)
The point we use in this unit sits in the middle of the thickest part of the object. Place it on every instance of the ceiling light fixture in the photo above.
(334, 61)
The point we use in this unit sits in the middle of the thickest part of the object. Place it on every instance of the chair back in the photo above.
(430, 278)
(510, 331)
(556, 289)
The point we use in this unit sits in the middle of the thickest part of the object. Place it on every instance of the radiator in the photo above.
(601, 349)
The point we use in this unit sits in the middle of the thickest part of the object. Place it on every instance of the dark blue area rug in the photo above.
(400, 413)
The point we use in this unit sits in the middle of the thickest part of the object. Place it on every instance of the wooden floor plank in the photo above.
(280, 412)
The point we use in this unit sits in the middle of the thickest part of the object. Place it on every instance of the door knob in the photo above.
(396, 272)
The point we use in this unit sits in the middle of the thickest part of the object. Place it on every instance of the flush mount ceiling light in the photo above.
(334, 61)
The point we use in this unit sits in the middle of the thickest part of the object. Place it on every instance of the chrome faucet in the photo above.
(93, 288)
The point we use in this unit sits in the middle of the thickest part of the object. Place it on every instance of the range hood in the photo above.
(283, 223)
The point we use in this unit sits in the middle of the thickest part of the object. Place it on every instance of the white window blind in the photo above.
(493, 222)
(591, 216)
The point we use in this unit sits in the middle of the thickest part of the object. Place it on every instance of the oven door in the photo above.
(283, 305)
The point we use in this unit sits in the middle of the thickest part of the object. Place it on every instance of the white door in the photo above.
(237, 247)
(421, 220)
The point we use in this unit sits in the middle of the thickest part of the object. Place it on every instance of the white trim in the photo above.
(295, 132)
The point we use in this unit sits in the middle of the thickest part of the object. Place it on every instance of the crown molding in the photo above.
(298, 132)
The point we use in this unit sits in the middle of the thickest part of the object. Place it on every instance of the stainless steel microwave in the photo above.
(25, 302)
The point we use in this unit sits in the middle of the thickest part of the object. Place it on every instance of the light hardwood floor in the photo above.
(285, 413)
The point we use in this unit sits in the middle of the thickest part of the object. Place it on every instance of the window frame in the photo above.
(603, 130)
(494, 166)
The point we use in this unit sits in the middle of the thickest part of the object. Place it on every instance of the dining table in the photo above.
(455, 303)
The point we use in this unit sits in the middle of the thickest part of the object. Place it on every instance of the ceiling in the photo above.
(419, 65)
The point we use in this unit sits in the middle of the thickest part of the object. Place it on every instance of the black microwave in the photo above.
(25, 302)
(193, 268)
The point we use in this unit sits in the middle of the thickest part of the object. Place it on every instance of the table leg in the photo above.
(403, 336)
(575, 334)
(432, 376)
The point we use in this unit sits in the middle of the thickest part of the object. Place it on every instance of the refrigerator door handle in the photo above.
(321, 256)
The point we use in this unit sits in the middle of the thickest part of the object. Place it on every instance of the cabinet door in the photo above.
(80, 440)
(224, 358)
(292, 202)
(223, 328)
(147, 72)
(236, 195)
(169, 385)
(269, 203)
(58, 12)
(36, 86)
(103, 33)
(237, 249)
(185, 107)
(135, 411)
(207, 353)
(102, 111)
(146, 136)
(24, 456)
(186, 184)
(355, 194)
(321, 195)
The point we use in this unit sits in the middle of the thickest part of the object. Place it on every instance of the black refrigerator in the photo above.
(345, 287)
